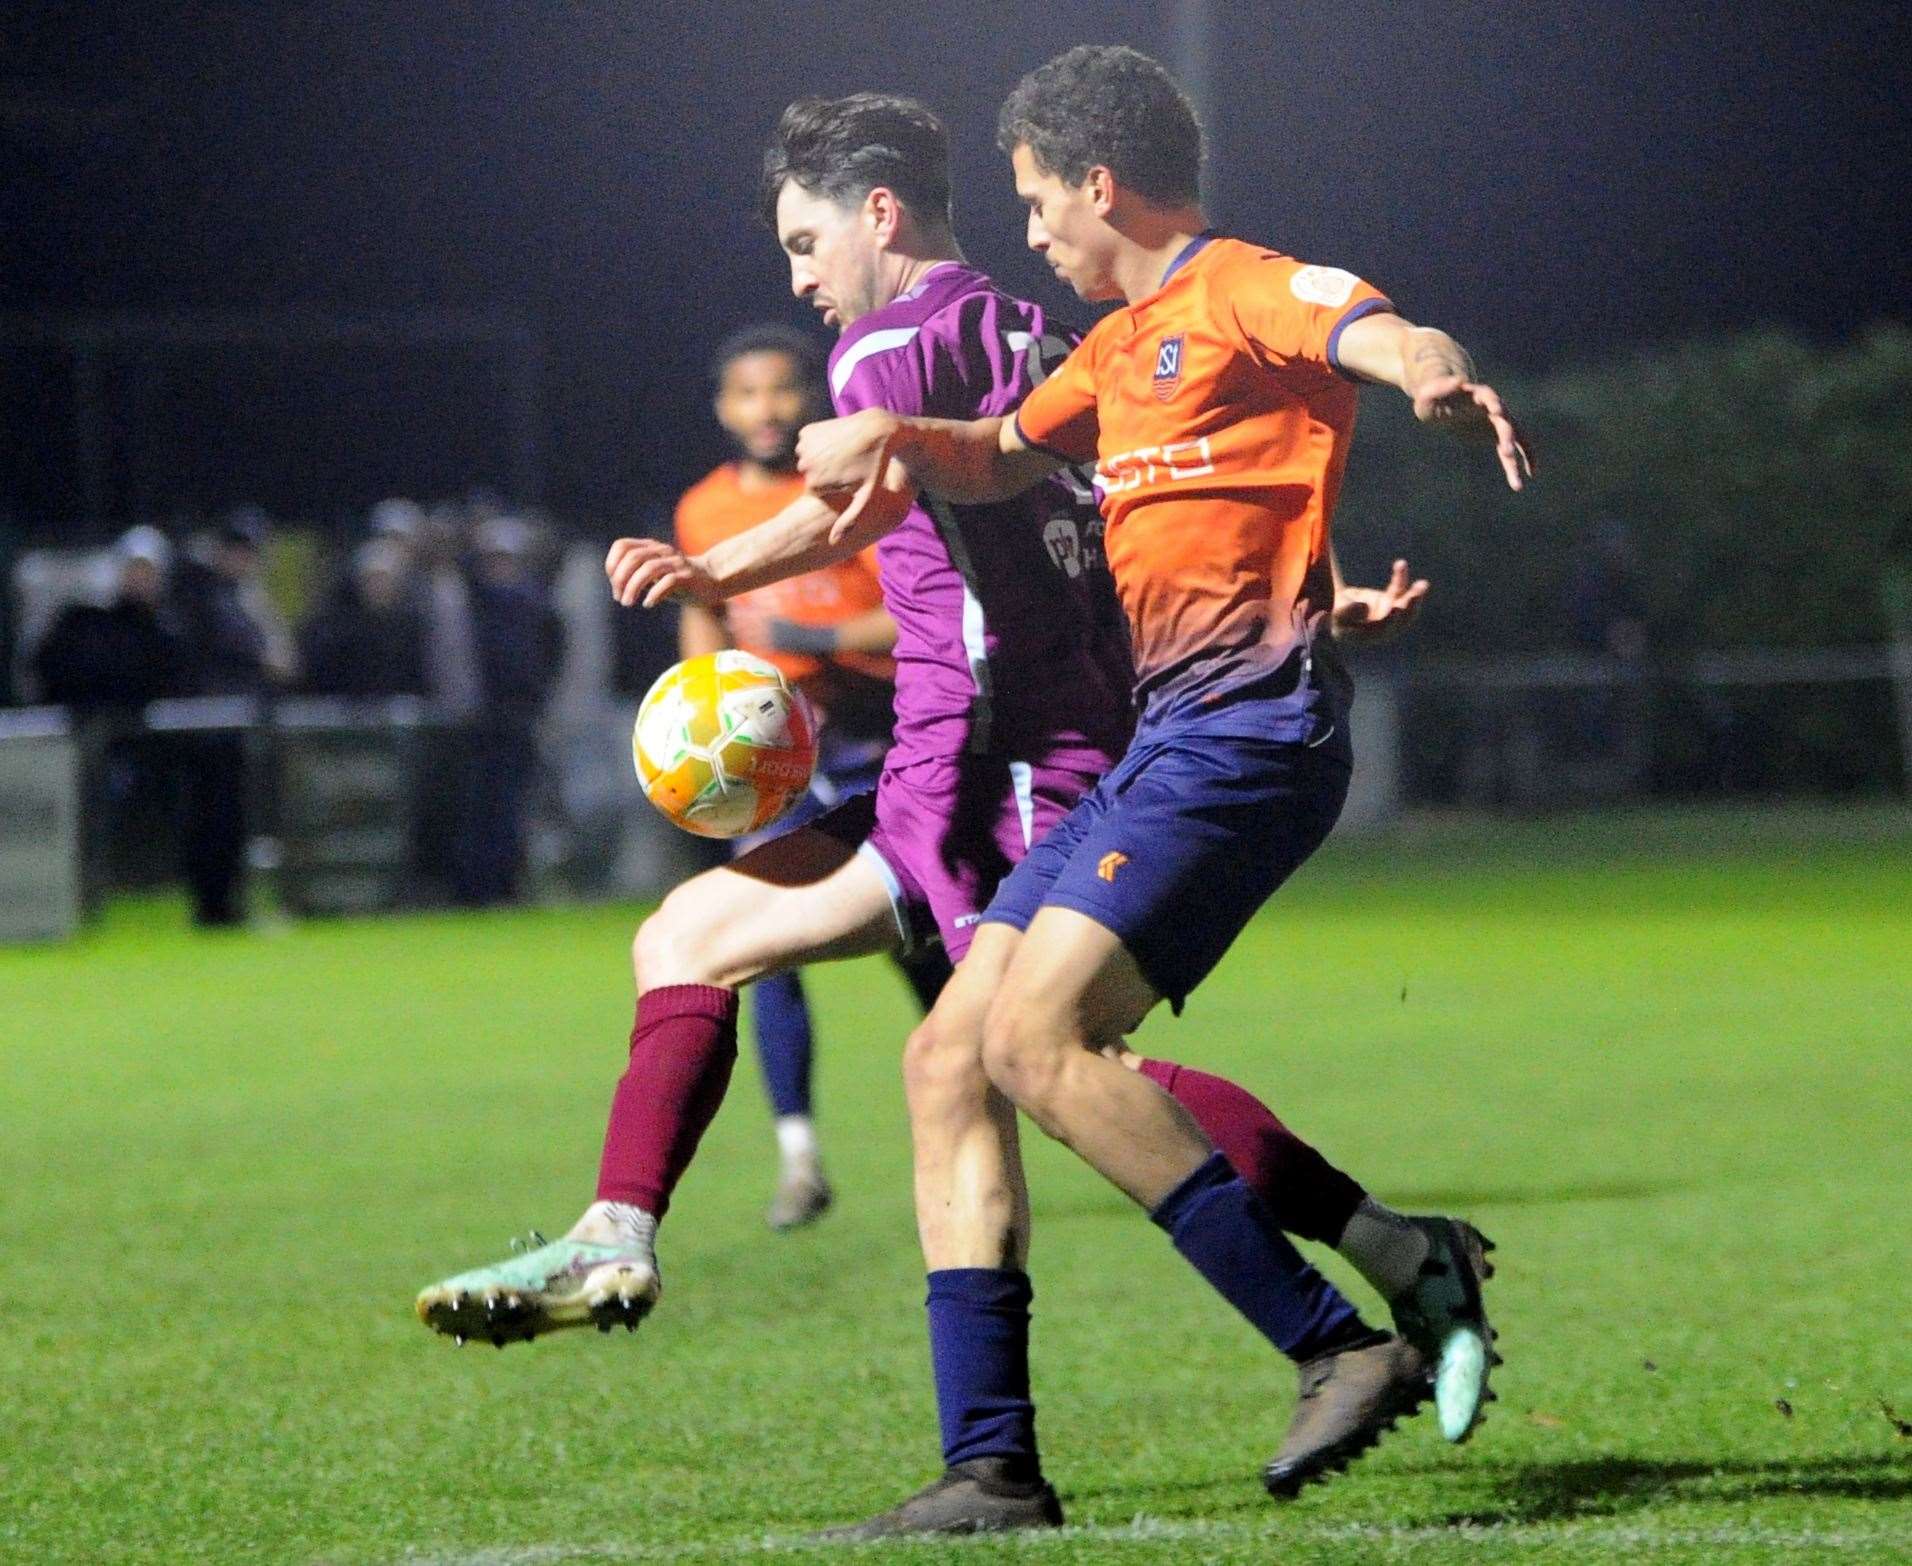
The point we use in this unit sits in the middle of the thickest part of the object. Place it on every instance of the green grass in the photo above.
(1665, 1060)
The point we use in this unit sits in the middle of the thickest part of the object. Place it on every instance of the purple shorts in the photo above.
(944, 832)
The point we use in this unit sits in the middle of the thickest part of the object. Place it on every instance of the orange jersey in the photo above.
(718, 506)
(1219, 426)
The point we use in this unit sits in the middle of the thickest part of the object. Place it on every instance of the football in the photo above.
(724, 745)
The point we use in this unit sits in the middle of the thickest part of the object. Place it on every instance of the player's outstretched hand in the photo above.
(1471, 408)
(837, 457)
(1364, 616)
(647, 571)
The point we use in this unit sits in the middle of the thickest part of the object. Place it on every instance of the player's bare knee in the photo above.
(1022, 1053)
(921, 1067)
(668, 948)
(942, 1067)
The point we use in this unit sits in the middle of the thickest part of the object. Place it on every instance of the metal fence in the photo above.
(348, 801)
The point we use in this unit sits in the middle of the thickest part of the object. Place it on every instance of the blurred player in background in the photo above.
(1011, 701)
(831, 636)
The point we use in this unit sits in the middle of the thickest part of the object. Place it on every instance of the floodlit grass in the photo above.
(1665, 1060)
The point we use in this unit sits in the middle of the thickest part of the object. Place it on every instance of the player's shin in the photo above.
(683, 1046)
(1222, 1229)
(973, 1215)
(979, 1354)
(1304, 1194)
(1355, 1382)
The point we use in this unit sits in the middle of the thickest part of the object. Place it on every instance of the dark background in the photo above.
(1553, 182)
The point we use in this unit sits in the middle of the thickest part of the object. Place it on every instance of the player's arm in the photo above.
(965, 461)
(1438, 377)
(700, 631)
(872, 633)
(804, 536)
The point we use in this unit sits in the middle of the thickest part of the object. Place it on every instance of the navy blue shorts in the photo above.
(1176, 849)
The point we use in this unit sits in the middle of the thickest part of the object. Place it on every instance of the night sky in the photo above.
(1552, 182)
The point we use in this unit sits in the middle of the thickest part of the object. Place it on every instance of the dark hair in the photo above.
(768, 338)
(1111, 105)
(843, 148)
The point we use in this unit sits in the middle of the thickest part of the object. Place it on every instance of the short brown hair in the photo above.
(1110, 105)
(844, 148)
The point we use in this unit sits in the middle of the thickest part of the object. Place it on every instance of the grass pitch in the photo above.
(1665, 1060)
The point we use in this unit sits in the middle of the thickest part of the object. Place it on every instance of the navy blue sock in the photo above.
(1220, 1226)
(783, 1041)
(979, 1350)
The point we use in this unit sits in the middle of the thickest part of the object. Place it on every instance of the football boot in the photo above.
(546, 1286)
(979, 1496)
(803, 1195)
(1443, 1316)
(1349, 1398)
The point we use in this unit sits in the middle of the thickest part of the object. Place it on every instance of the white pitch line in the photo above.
(1149, 1529)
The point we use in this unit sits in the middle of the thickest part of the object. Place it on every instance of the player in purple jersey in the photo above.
(1011, 700)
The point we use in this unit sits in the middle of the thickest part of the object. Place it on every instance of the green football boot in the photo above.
(1443, 1316)
(557, 1284)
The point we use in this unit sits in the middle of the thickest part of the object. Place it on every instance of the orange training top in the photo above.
(1219, 424)
(718, 506)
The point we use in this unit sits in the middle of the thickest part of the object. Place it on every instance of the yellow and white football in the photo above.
(723, 744)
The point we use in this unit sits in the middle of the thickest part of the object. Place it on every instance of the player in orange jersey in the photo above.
(831, 636)
(1217, 402)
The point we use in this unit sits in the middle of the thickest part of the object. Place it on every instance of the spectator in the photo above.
(451, 655)
(231, 647)
(1605, 603)
(1605, 599)
(399, 522)
(125, 654)
(518, 640)
(368, 640)
(443, 594)
(105, 663)
(234, 644)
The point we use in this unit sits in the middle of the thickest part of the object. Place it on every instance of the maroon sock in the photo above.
(682, 1048)
(1305, 1193)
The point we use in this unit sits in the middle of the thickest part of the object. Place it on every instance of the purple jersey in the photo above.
(1009, 641)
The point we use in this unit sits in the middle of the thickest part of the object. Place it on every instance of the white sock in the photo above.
(617, 1223)
(1385, 1248)
(797, 1138)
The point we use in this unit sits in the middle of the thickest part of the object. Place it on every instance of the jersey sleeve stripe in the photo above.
(1365, 307)
(857, 352)
(1036, 445)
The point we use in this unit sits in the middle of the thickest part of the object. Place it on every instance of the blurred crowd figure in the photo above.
(123, 653)
(366, 640)
(446, 605)
(232, 643)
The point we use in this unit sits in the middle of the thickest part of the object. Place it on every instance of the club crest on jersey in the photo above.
(1168, 366)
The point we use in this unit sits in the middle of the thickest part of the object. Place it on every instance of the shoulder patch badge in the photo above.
(1322, 285)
